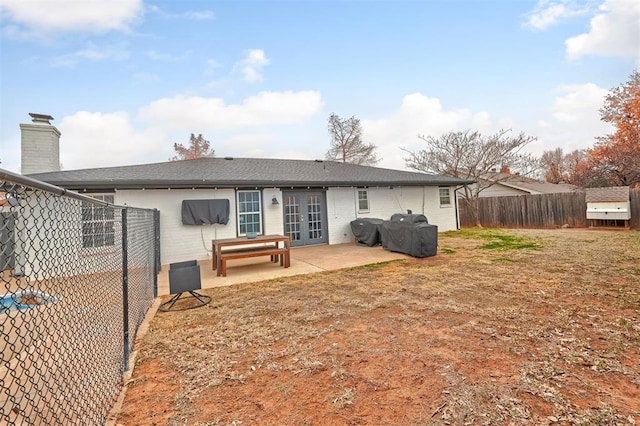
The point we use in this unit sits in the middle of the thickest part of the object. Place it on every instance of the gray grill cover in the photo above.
(199, 212)
(366, 230)
(417, 240)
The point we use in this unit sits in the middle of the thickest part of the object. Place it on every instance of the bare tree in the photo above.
(558, 167)
(347, 144)
(471, 156)
(198, 147)
(552, 163)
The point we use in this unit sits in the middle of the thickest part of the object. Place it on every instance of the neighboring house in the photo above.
(313, 202)
(506, 184)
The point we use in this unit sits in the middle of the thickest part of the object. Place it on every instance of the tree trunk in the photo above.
(472, 204)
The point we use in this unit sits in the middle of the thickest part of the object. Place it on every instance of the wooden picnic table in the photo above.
(243, 247)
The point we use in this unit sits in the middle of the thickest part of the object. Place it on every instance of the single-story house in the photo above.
(313, 202)
(508, 184)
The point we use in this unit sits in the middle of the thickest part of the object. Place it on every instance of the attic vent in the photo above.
(228, 158)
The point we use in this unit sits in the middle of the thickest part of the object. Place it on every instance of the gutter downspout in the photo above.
(455, 200)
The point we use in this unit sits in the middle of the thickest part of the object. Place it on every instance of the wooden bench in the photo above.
(276, 253)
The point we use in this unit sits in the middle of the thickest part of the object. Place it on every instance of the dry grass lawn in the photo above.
(501, 327)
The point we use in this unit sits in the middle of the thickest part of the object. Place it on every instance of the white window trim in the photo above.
(450, 204)
(260, 212)
(366, 191)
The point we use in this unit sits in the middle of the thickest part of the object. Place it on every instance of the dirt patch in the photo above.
(544, 332)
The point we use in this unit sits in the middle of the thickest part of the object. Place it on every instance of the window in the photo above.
(445, 197)
(363, 200)
(249, 212)
(98, 227)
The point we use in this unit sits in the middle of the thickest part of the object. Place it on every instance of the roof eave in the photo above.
(159, 184)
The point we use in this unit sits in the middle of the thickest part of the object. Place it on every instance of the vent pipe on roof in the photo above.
(40, 145)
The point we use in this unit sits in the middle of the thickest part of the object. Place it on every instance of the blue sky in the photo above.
(126, 79)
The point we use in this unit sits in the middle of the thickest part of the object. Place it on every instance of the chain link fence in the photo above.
(79, 275)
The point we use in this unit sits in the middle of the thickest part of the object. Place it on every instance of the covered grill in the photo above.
(415, 239)
(405, 233)
(367, 231)
(409, 218)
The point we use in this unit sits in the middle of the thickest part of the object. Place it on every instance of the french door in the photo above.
(305, 218)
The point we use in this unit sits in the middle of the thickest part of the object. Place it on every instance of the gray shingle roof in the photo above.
(240, 172)
(611, 193)
(532, 186)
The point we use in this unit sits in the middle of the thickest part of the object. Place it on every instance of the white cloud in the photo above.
(94, 16)
(575, 119)
(550, 12)
(251, 66)
(245, 145)
(418, 115)
(614, 31)
(579, 103)
(194, 113)
(158, 56)
(98, 139)
(573, 123)
(94, 139)
(288, 145)
(198, 15)
(92, 53)
(211, 65)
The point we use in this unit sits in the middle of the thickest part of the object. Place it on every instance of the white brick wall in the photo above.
(42, 230)
(180, 242)
(445, 216)
(183, 242)
(273, 221)
(342, 208)
(40, 149)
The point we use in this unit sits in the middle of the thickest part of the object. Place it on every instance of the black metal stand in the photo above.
(168, 305)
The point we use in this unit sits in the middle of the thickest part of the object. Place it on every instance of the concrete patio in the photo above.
(304, 260)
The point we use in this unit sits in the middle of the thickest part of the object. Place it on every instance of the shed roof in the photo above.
(240, 172)
(529, 185)
(607, 194)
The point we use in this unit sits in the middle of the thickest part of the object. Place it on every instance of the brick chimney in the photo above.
(40, 145)
(506, 170)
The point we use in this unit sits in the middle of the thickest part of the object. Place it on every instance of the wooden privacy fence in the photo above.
(538, 211)
(634, 195)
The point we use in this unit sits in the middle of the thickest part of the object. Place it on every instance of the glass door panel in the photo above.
(304, 218)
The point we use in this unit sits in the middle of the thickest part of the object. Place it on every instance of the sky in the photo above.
(126, 79)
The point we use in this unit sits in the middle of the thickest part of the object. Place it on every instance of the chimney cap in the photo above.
(40, 118)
